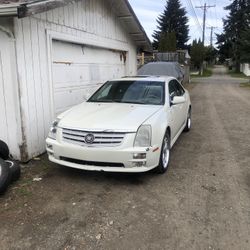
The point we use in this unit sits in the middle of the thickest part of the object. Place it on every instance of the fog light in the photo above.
(50, 154)
(139, 164)
(49, 146)
(139, 156)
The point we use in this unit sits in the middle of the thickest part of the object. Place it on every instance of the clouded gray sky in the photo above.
(148, 10)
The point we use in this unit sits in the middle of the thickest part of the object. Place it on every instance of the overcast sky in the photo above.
(148, 10)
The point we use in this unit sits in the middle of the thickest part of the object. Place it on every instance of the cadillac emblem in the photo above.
(89, 138)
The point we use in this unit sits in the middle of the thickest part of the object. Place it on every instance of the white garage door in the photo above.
(78, 70)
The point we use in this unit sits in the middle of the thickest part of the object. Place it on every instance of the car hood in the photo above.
(107, 116)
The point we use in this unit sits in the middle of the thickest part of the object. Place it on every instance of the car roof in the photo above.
(148, 78)
(161, 68)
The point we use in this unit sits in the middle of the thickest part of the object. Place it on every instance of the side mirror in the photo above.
(178, 100)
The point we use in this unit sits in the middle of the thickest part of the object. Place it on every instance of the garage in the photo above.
(54, 55)
(78, 70)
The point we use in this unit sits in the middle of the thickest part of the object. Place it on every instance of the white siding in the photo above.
(245, 68)
(84, 22)
(10, 126)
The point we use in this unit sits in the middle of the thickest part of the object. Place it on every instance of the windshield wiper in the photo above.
(102, 101)
(134, 102)
(116, 101)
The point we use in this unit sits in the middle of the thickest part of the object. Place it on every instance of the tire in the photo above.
(165, 155)
(4, 176)
(188, 122)
(4, 150)
(15, 170)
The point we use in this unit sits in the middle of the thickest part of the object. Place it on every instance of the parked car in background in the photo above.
(163, 69)
(128, 125)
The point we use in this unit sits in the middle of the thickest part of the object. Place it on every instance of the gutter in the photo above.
(30, 8)
(9, 10)
(38, 6)
(139, 25)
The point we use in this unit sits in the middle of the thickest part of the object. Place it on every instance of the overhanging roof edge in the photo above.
(23, 9)
(147, 40)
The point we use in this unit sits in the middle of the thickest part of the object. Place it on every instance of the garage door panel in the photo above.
(78, 69)
(67, 52)
(73, 96)
(74, 75)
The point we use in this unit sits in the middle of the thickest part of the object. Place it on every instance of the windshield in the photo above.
(137, 92)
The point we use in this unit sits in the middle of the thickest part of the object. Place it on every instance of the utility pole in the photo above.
(211, 35)
(204, 7)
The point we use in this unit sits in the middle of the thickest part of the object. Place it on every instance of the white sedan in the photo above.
(127, 125)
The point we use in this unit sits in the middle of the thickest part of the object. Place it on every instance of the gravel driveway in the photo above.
(202, 202)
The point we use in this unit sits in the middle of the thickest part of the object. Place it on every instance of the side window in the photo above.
(180, 90)
(175, 89)
(172, 89)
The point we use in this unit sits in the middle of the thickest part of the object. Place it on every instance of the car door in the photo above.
(183, 106)
(177, 111)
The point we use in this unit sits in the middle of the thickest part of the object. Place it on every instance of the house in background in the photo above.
(53, 55)
(245, 68)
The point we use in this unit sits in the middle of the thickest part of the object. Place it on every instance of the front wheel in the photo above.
(165, 155)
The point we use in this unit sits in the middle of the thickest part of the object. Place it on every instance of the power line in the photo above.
(212, 15)
(204, 7)
(190, 4)
(216, 13)
(194, 13)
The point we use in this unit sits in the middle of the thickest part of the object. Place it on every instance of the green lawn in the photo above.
(245, 84)
(206, 73)
(232, 73)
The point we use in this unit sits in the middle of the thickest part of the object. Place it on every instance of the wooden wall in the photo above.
(86, 21)
(10, 123)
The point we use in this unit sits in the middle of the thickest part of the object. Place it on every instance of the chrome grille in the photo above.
(80, 137)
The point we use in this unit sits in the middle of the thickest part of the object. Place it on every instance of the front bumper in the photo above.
(79, 157)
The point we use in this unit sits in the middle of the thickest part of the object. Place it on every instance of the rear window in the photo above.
(169, 69)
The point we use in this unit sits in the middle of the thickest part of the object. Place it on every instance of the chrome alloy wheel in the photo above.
(165, 153)
(189, 120)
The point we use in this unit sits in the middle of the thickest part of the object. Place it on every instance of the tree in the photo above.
(210, 55)
(224, 47)
(167, 42)
(173, 20)
(235, 24)
(245, 46)
(197, 53)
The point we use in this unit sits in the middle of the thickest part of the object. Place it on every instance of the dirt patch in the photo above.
(202, 202)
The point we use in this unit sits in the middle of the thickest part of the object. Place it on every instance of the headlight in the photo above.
(143, 136)
(53, 129)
